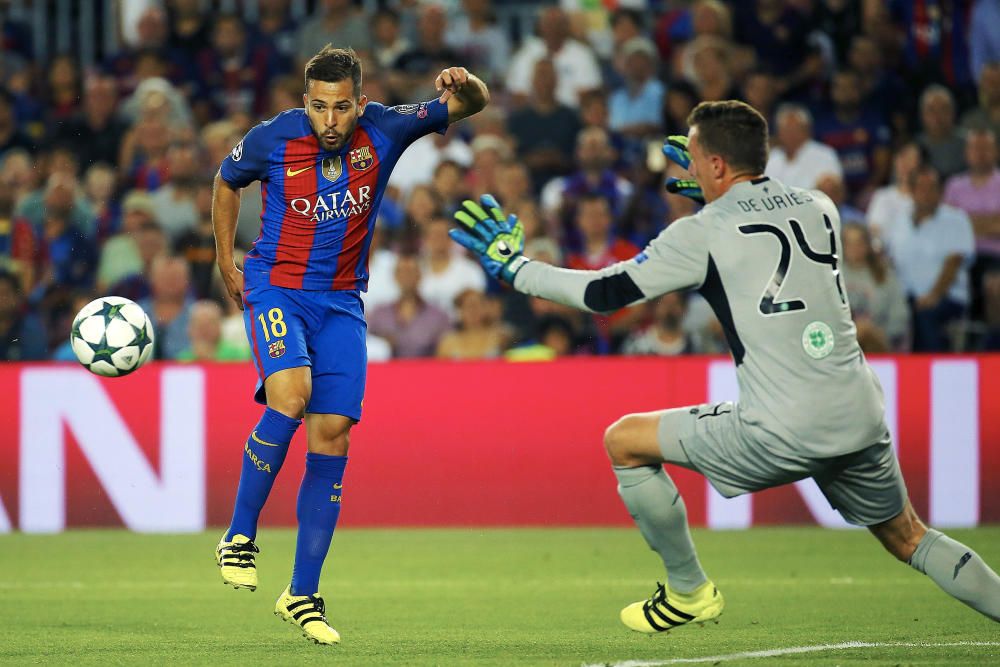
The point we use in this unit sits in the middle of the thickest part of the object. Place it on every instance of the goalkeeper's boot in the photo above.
(667, 610)
(309, 613)
(236, 561)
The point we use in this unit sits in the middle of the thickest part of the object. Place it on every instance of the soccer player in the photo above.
(323, 170)
(766, 258)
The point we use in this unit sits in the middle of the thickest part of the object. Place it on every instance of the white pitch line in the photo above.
(792, 650)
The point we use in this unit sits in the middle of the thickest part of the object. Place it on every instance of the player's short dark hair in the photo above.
(332, 65)
(734, 131)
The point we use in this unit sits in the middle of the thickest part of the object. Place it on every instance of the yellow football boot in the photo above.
(667, 610)
(309, 613)
(236, 562)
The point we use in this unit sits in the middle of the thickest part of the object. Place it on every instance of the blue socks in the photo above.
(263, 454)
(317, 512)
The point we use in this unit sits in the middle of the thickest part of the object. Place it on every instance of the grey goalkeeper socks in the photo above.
(959, 571)
(659, 511)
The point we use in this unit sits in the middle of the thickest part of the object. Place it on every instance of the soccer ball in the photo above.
(112, 336)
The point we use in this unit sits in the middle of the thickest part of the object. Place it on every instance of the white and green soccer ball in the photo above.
(112, 336)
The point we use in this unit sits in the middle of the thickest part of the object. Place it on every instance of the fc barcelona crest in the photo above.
(276, 349)
(361, 158)
(333, 167)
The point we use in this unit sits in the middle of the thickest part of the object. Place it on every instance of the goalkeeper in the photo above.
(765, 257)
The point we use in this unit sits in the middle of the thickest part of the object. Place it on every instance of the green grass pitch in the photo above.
(479, 597)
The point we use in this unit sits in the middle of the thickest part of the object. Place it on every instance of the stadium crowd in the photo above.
(890, 108)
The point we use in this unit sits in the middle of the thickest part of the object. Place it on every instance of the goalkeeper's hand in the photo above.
(676, 150)
(686, 188)
(496, 240)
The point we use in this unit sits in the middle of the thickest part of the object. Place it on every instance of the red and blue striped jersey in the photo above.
(319, 207)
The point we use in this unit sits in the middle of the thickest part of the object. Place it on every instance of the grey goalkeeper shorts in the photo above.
(865, 486)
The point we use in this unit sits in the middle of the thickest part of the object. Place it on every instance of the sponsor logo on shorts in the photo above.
(817, 340)
(361, 158)
(276, 349)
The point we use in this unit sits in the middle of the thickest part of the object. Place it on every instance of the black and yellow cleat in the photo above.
(236, 562)
(309, 613)
(667, 610)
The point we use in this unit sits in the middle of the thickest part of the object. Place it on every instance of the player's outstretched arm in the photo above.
(225, 213)
(677, 259)
(463, 92)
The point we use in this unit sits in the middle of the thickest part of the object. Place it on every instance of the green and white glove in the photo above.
(676, 150)
(497, 240)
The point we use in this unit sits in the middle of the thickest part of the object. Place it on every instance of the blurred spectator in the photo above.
(859, 136)
(481, 44)
(680, 99)
(943, 141)
(190, 31)
(932, 251)
(99, 183)
(60, 189)
(415, 69)
(18, 172)
(895, 201)
(707, 66)
(984, 38)
(416, 165)
(153, 36)
(285, 93)
(388, 42)
(878, 304)
(64, 349)
(144, 153)
(11, 136)
(555, 339)
(635, 108)
(977, 192)
(881, 88)
(448, 183)
(489, 152)
(197, 245)
(169, 306)
(778, 33)
(987, 114)
(841, 21)
(478, 333)
(382, 286)
(760, 90)
(646, 211)
(599, 249)
(626, 24)
(445, 273)
(174, 201)
(18, 247)
(544, 130)
(666, 335)
(796, 158)
(155, 96)
(152, 244)
(514, 184)
(64, 88)
(833, 187)
(336, 22)
(577, 70)
(410, 324)
(277, 27)
(22, 337)
(594, 175)
(120, 254)
(234, 73)
(69, 257)
(95, 133)
(935, 40)
(205, 334)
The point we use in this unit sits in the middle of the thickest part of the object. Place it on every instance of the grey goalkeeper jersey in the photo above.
(766, 258)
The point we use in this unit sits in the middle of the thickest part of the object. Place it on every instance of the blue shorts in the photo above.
(324, 330)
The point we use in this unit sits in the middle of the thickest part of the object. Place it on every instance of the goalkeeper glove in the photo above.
(496, 240)
(676, 149)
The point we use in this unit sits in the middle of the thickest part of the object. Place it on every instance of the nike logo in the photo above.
(295, 172)
(961, 563)
(338, 486)
(256, 439)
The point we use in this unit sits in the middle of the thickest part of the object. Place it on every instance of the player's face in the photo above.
(333, 112)
(703, 168)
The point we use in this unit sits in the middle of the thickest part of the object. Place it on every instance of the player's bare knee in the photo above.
(334, 443)
(290, 405)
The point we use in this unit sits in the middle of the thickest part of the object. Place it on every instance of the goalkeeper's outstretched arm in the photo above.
(677, 259)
